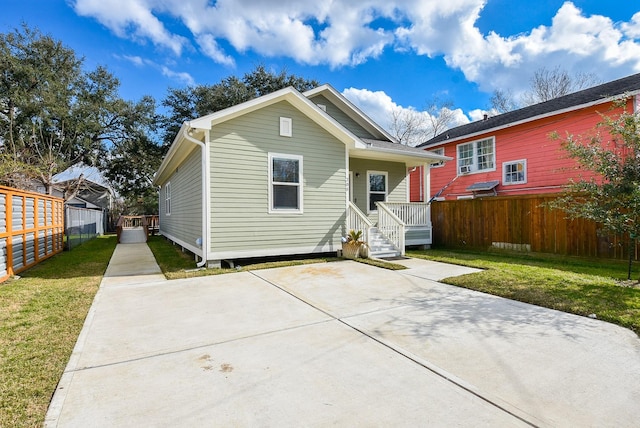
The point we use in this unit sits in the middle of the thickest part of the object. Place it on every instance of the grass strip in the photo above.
(574, 285)
(41, 315)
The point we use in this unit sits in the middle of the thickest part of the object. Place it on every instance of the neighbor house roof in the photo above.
(596, 95)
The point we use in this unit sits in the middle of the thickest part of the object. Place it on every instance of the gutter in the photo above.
(205, 194)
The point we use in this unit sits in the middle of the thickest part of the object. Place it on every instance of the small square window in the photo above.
(286, 127)
(514, 172)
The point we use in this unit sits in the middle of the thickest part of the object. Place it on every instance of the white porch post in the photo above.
(426, 179)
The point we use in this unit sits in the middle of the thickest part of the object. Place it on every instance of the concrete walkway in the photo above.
(341, 344)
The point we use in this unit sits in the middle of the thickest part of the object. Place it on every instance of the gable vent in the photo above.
(285, 127)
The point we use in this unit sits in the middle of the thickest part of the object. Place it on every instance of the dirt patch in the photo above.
(630, 284)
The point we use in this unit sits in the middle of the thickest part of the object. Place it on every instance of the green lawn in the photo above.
(41, 315)
(574, 285)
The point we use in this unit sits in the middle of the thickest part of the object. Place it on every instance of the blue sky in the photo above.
(382, 54)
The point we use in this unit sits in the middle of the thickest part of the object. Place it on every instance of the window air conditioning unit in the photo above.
(465, 169)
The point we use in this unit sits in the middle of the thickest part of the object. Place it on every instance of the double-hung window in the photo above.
(477, 156)
(167, 198)
(285, 183)
(377, 190)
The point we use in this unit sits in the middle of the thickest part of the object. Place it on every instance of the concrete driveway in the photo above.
(341, 344)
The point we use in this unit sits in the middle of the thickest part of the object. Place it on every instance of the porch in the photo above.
(399, 225)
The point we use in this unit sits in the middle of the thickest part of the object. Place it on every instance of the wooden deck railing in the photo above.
(150, 224)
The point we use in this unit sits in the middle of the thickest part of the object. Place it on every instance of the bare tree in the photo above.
(441, 116)
(409, 127)
(546, 84)
(412, 127)
(503, 101)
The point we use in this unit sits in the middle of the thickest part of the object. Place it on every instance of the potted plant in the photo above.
(353, 246)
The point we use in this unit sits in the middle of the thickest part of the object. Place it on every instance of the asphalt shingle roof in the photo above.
(605, 91)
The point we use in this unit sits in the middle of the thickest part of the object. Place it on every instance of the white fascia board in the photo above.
(175, 147)
(210, 120)
(351, 110)
(290, 95)
(410, 159)
(530, 119)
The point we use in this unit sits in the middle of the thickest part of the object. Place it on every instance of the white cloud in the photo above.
(632, 29)
(376, 104)
(380, 107)
(346, 33)
(181, 77)
(135, 60)
(133, 19)
(211, 49)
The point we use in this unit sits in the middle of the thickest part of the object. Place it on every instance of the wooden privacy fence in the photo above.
(31, 229)
(520, 223)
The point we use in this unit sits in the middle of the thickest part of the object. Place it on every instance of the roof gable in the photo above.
(349, 109)
(596, 95)
(192, 132)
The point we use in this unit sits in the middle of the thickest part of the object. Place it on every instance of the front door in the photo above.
(377, 189)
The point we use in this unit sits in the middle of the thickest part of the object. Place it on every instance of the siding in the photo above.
(397, 181)
(185, 221)
(342, 118)
(547, 166)
(240, 222)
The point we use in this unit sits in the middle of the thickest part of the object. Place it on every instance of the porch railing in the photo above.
(411, 214)
(132, 222)
(357, 220)
(391, 226)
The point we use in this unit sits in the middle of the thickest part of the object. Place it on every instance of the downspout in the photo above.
(349, 185)
(205, 193)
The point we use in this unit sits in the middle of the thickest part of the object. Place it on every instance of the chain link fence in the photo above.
(82, 224)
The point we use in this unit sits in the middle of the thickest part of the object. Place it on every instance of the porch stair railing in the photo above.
(357, 220)
(391, 226)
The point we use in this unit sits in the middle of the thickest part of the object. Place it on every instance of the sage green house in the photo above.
(289, 173)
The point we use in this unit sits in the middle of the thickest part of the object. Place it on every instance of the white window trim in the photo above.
(504, 172)
(286, 127)
(167, 198)
(300, 184)
(474, 166)
(438, 164)
(386, 188)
